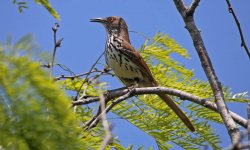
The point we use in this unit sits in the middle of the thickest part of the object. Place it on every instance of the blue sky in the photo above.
(84, 41)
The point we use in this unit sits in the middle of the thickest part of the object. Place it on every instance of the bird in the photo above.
(128, 65)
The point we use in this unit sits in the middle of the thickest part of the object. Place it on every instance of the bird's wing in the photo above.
(136, 58)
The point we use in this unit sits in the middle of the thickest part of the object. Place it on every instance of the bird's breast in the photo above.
(122, 66)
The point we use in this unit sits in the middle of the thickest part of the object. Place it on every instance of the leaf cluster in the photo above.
(35, 113)
(45, 3)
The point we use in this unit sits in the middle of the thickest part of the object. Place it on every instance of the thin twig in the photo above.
(83, 74)
(141, 34)
(56, 44)
(92, 67)
(93, 78)
(108, 135)
(112, 94)
(90, 80)
(243, 43)
(65, 68)
(208, 68)
(89, 124)
(54, 28)
(46, 66)
(94, 121)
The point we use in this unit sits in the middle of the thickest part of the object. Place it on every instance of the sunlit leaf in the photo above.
(47, 5)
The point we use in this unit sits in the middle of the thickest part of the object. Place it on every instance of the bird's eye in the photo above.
(111, 19)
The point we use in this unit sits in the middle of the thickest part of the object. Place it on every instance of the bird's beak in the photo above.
(99, 20)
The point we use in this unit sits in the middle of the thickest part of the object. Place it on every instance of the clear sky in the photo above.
(84, 41)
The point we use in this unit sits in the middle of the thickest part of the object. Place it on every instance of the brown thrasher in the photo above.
(128, 65)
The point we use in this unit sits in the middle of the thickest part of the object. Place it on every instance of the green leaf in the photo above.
(21, 3)
(46, 4)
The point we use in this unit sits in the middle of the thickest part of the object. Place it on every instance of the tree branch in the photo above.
(56, 45)
(208, 69)
(72, 77)
(107, 128)
(191, 9)
(92, 67)
(122, 93)
(94, 121)
(243, 43)
(248, 122)
(239, 145)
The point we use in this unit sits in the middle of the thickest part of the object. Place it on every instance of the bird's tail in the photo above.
(177, 110)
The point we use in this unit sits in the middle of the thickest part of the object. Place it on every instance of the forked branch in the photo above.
(123, 94)
(188, 18)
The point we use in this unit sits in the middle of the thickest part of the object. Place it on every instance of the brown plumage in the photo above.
(127, 63)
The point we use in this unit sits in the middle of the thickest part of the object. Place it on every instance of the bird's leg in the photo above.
(134, 84)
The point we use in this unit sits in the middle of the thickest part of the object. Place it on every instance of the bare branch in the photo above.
(156, 90)
(83, 74)
(56, 45)
(108, 135)
(181, 7)
(248, 122)
(141, 34)
(85, 100)
(243, 43)
(94, 121)
(239, 144)
(46, 66)
(191, 9)
(92, 67)
(208, 69)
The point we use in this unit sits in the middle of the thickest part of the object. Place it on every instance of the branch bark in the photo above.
(207, 67)
(248, 123)
(94, 121)
(108, 134)
(124, 93)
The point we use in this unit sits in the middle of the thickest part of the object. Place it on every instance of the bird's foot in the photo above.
(132, 87)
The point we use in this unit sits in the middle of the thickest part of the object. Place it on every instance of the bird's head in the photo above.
(112, 24)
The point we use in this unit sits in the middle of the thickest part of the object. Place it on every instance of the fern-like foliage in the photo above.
(160, 47)
(45, 3)
(35, 113)
(21, 5)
